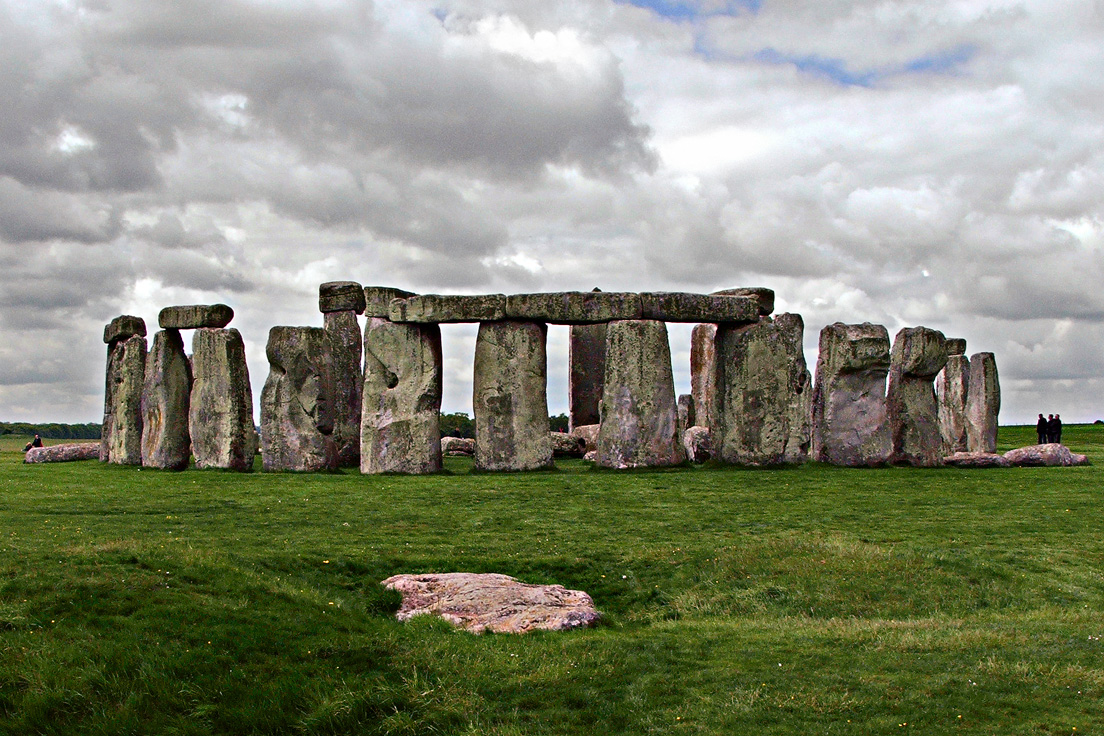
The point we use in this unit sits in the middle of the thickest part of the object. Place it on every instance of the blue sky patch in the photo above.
(836, 70)
(690, 10)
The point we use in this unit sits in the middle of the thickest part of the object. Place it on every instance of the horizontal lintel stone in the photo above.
(764, 295)
(195, 316)
(439, 308)
(573, 307)
(956, 346)
(341, 296)
(122, 327)
(680, 307)
(377, 300)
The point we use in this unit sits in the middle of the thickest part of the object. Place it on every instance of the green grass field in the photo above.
(804, 600)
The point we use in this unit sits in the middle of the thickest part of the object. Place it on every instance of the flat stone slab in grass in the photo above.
(976, 460)
(481, 602)
(63, 453)
(195, 316)
(458, 446)
(1049, 454)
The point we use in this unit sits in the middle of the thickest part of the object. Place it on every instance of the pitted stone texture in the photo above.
(63, 453)
(850, 425)
(510, 397)
(919, 353)
(122, 327)
(686, 414)
(956, 346)
(762, 408)
(168, 387)
(345, 346)
(573, 307)
(681, 307)
(976, 460)
(764, 296)
(459, 446)
(566, 445)
(439, 308)
(982, 404)
(639, 413)
(296, 412)
(587, 358)
(220, 414)
(377, 300)
(195, 316)
(121, 433)
(588, 433)
(481, 602)
(341, 296)
(703, 373)
(951, 388)
(400, 429)
(1049, 455)
(698, 443)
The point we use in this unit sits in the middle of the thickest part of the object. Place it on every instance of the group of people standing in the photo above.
(1049, 429)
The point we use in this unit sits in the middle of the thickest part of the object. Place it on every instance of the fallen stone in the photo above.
(121, 431)
(686, 414)
(1051, 454)
(345, 348)
(341, 296)
(982, 404)
(479, 602)
(458, 446)
(703, 373)
(762, 407)
(63, 453)
(297, 417)
(509, 397)
(976, 460)
(587, 359)
(588, 433)
(123, 327)
(195, 316)
(764, 296)
(680, 307)
(400, 430)
(850, 424)
(956, 346)
(166, 443)
(220, 412)
(566, 445)
(377, 300)
(918, 355)
(698, 443)
(573, 307)
(439, 309)
(951, 389)
(591, 456)
(639, 414)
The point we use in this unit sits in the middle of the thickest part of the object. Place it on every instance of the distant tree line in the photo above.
(52, 430)
(460, 424)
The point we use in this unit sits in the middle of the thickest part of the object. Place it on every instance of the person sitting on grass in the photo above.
(36, 442)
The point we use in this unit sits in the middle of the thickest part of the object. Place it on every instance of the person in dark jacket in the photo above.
(1055, 429)
(36, 442)
(1041, 430)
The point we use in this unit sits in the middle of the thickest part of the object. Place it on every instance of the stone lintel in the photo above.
(763, 295)
(440, 308)
(680, 307)
(956, 346)
(195, 316)
(122, 327)
(573, 307)
(377, 300)
(341, 296)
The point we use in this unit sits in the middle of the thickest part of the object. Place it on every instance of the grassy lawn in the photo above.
(805, 600)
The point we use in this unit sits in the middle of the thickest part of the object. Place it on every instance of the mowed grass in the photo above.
(803, 600)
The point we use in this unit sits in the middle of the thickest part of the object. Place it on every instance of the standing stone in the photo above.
(165, 440)
(587, 357)
(919, 353)
(703, 373)
(510, 397)
(687, 417)
(400, 422)
(220, 416)
(639, 413)
(764, 393)
(850, 426)
(982, 404)
(296, 414)
(121, 438)
(343, 341)
(951, 389)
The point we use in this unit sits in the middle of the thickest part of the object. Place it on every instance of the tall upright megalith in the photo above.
(340, 302)
(764, 393)
(220, 411)
(297, 417)
(919, 353)
(166, 443)
(121, 438)
(587, 359)
(703, 373)
(951, 389)
(639, 410)
(400, 420)
(850, 425)
(982, 404)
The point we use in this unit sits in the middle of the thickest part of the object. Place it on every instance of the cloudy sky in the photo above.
(935, 162)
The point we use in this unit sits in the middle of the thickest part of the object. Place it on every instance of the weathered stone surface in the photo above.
(341, 296)
(850, 425)
(573, 307)
(639, 415)
(377, 300)
(588, 433)
(439, 308)
(168, 388)
(982, 404)
(680, 307)
(400, 429)
(65, 453)
(194, 316)
(951, 389)
(919, 353)
(765, 390)
(566, 445)
(121, 433)
(481, 602)
(587, 358)
(686, 415)
(345, 346)
(510, 397)
(976, 460)
(956, 346)
(591, 456)
(764, 296)
(457, 446)
(703, 373)
(220, 414)
(698, 443)
(1050, 454)
(122, 327)
(297, 417)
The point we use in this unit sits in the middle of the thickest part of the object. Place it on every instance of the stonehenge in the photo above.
(297, 416)
(951, 387)
(918, 355)
(121, 435)
(340, 302)
(220, 411)
(982, 404)
(166, 394)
